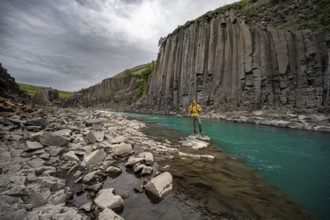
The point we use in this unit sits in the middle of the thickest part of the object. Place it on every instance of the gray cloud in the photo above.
(73, 44)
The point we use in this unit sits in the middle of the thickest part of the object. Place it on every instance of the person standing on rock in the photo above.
(194, 109)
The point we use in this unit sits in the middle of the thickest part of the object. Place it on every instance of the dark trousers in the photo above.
(198, 120)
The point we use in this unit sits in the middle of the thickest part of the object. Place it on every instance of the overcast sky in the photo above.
(73, 44)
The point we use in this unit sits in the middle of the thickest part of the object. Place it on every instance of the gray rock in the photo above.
(94, 136)
(108, 214)
(58, 197)
(59, 211)
(139, 186)
(36, 163)
(93, 158)
(55, 151)
(71, 156)
(113, 170)
(160, 185)
(121, 149)
(90, 122)
(87, 206)
(96, 187)
(13, 214)
(106, 199)
(148, 157)
(44, 170)
(36, 122)
(90, 138)
(49, 139)
(90, 176)
(53, 183)
(31, 145)
(194, 143)
(133, 160)
(145, 170)
(119, 139)
(63, 132)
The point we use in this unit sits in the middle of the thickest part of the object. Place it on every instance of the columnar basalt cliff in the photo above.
(228, 64)
(115, 92)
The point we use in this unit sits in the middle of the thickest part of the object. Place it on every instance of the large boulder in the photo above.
(108, 214)
(106, 199)
(160, 185)
(49, 139)
(95, 157)
(120, 149)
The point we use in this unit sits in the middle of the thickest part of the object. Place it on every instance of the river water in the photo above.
(295, 161)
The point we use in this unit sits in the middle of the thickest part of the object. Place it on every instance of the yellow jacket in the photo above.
(194, 110)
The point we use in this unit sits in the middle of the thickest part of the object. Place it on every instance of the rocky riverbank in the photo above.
(85, 164)
(42, 154)
(285, 119)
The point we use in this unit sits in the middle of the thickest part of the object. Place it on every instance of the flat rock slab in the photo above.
(160, 185)
(32, 145)
(90, 122)
(196, 142)
(71, 156)
(63, 132)
(49, 139)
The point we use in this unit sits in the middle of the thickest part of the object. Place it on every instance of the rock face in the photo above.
(8, 87)
(116, 91)
(46, 96)
(228, 64)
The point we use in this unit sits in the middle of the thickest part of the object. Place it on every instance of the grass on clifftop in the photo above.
(31, 90)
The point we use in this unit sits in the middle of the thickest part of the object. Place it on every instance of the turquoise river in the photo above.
(295, 161)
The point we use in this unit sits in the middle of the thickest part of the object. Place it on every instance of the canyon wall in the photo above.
(227, 64)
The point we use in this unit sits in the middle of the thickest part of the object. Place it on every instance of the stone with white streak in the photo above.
(93, 158)
(160, 185)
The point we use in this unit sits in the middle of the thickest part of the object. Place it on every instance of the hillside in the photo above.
(31, 90)
(117, 92)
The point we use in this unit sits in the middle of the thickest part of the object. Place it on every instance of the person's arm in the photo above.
(199, 108)
(190, 108)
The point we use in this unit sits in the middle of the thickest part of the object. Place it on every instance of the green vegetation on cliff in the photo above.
(31, 90)
(287, 14)
(144, 77)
